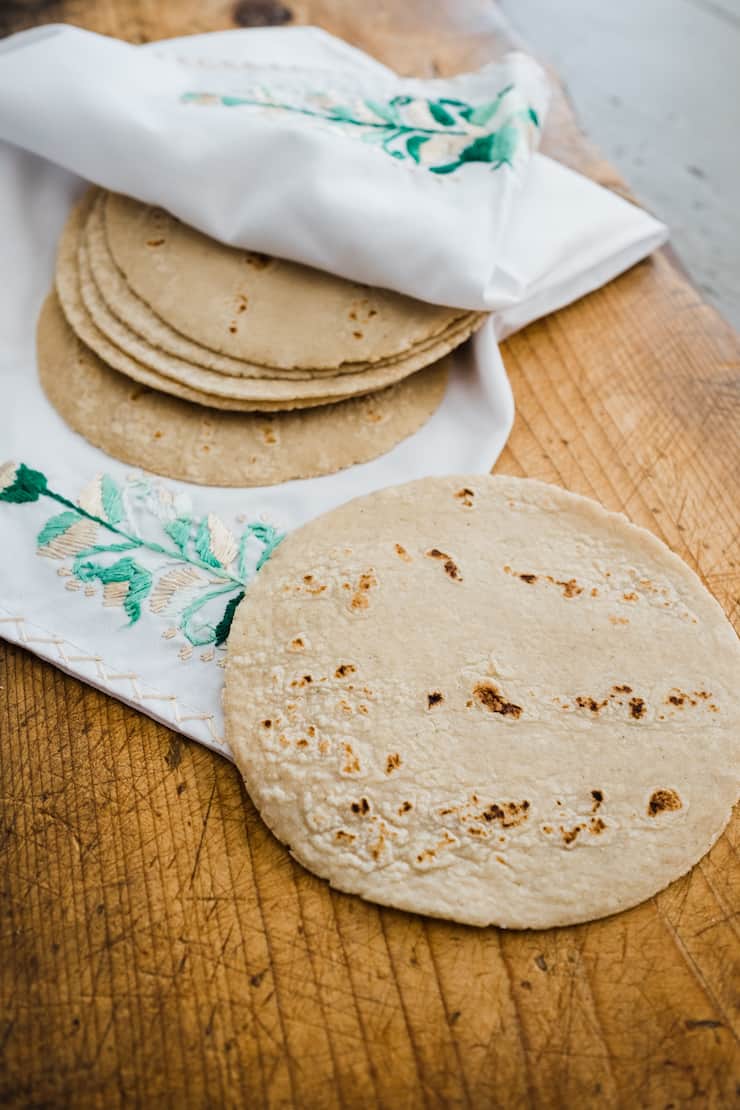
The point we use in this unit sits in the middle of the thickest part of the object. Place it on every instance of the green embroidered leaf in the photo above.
(414, 144)
(179, 530)
(483, 113)
(111, 498)
(223, 627)
(124, 570)
(497, 147)
(203, 544)
(386, 112)
(533, 116)
(205, 632)
(27, 485)
(56, 526)
(448, 167)
(440, 113)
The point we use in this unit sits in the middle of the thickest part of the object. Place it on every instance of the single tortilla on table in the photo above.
(485, 699)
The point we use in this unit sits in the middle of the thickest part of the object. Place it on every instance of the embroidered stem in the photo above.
(237, 101)
(184, 587)
(137, 541)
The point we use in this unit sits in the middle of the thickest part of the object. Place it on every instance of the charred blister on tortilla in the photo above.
(450, 567)
(569, 587)
(489, 697)
(681, 699)
(402, 553)
(663, 800)
(309, 585)
(466, 497)
(360, 599)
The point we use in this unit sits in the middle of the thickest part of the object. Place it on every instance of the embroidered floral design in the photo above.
(441, 135)
(143, 545)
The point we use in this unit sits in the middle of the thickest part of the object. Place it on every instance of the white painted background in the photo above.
(656, 85)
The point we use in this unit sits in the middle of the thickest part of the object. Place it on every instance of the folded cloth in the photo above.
(147, 625)
(291, 142)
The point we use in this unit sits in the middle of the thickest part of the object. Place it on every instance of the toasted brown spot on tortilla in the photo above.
(489, 697)
(596, 825)
(547, 829)
(598, 797)
(434, 698)
(663, 800)
(351, 762)
(297, 644)
(267, 723)
(569, 835)
(340, 835)
(405, 807)
(618, 620)
(622, 689)
(402, 553)
(450, 566)
(344, 669)
(590, 703)
(569, 588)
(594, 592)
(357, 334)
(363, 806)
(507, 814)
(528, 578)
(466, 496)
(392, 763)
(154, 242)
(629, 597)
(366, 581)
(305, 680)
(638, 708)
(302, 743)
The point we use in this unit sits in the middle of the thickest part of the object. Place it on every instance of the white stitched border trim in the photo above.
(67, 655)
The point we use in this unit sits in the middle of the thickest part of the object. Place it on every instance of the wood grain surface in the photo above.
(159, 948)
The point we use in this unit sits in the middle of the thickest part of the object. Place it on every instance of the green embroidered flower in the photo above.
(145, 548)
(441, 135)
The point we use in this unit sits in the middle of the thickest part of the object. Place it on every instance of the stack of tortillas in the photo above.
(203, 362)
(486, 699)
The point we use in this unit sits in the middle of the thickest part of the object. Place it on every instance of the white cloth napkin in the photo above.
(130, 621)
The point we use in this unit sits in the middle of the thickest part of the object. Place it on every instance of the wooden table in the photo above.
(159, 947)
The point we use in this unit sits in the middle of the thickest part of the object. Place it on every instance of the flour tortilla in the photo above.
(239, 303)
(181, 440)
(485, 699)
(139, 319)
(189, 382)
